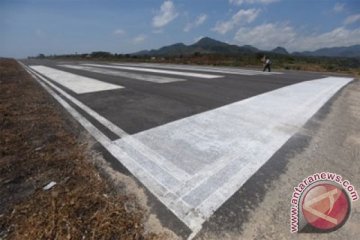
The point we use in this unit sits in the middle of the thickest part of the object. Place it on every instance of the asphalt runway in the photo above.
(193, 136)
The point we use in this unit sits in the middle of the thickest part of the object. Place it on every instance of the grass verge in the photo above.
(39, 143)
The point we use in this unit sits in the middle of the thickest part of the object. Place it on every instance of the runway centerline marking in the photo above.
(154, 70)
(236, 71)
(76, 83)
(142, 77)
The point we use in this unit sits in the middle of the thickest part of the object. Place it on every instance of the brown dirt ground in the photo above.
(39, 143)
(334, 146)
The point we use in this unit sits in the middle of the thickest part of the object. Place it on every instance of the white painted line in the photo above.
(218, 150)
(137, 149)
(227, 70)
(73, 82)
(223, 148)
(153, 70)
(142, 77)
(157, 188)
(189, 68)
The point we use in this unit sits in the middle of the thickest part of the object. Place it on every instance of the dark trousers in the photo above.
(267, 66)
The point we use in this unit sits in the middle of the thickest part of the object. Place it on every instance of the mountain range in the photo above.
(207, 45)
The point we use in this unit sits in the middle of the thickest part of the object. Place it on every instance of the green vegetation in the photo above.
(209, 51)
(280, 61)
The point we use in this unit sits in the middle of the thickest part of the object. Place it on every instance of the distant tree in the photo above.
(197, 54)
(41, 56)
(259, 55)
(101, 54)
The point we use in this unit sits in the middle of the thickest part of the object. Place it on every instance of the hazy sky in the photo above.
(30, 27)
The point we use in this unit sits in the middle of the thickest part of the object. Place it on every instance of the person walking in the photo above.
(267, 64)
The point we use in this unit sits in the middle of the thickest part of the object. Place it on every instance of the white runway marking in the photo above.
(153, 70)
(149, 157)
(142, 77)
(227, 70)
(158, 188)
(222, 148)
(214, 153)
(75, 83)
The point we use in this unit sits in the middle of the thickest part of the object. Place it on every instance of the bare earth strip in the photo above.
(331, 143)
(39, 143)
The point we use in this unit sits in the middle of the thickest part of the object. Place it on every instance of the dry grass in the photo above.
(38, 145)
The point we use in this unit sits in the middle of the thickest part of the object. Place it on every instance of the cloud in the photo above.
(335, 38)
(240, 18)
(158, 31)
(352, 19)
(198, 21)
(240, 2)
(339, 7)
(166, 14)
(271, 35)
(139, 39)
(266, 36)
(119, 32)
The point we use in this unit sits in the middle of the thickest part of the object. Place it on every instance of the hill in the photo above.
(280, 50)
(204, 45)
(351, 51)
(208, 45)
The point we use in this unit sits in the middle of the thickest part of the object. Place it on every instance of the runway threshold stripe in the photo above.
(136, 149)
(76, 83)
(222, 148)
(137, 169)
(153, 70)
(141, 77)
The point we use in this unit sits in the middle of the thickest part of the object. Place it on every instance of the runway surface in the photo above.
(191, 135)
